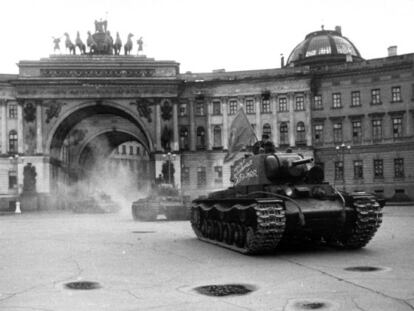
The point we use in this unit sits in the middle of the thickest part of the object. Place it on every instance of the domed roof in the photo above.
(324, 46)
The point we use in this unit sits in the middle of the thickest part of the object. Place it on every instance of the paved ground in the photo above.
(156, 266)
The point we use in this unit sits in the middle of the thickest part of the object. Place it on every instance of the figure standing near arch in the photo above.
(140, 43)
(56, 42)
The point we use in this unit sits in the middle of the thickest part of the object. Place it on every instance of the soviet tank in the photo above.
(163, 199)
(282, 199)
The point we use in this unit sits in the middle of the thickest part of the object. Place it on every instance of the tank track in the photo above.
(238, 235)
(367, 221)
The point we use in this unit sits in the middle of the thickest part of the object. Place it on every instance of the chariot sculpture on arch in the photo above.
(99, 42)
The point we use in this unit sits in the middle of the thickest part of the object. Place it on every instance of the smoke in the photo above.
(101, 173)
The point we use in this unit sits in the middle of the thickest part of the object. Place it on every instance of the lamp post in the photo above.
(340, 151)
(169, 156)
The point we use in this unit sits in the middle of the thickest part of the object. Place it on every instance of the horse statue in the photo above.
(81, 46)
(91, 43)
(69, 45)
(117, 44)
(109, 43)
(128, 45)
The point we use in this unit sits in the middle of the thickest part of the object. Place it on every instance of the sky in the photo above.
(204, 35)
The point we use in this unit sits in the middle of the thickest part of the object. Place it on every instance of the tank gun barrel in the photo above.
(304, 161)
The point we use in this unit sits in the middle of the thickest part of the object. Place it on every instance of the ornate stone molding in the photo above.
(53, 110)
(144, 107)
(78, 73)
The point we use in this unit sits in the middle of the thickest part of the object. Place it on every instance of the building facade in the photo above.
(65, 112)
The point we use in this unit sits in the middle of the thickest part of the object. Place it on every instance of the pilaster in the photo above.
(193, 133)
(175, 146)
(20, 136)
(158, 126)
(275, 125)
(290, 98)
(3, 111)
(225, 123)
(39, 134)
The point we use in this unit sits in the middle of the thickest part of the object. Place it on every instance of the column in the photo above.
(39, 134)
(308, 124)
(225, 131)
(258, 123)
(175, 127)
(193, 133)
(291, 120)
(4, 126)
(208, 130)
(20, 137)
(157, 126)
(275, 125)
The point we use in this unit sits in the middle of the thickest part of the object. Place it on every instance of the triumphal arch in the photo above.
(76, 108)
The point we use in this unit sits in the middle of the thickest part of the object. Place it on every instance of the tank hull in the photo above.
(261, 225)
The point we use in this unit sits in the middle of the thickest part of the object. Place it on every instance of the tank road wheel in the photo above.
(204, 228)
(240, 236)
(367, 221)
(219, 231)
(250, 237)
(228, 235)
(210, 229)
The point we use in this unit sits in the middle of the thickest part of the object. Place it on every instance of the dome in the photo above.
(324, 46)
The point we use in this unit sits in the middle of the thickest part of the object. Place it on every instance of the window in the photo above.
(397, 127)
(184, 138)
(123, 149)
(266, 106)
(300, 133)
(283, 106)
(267, 129)
(355, 99)
(337, 132)
(300, 103)
(356, 132)
(399, 167)
(218, 178)
(185, 175)
(339, 170)
(12, 141)
(131, 150)
(201, 139)
(12, 111)
(12, 180)
(378, 168)
(377, 129)
(336, 100)
(395, 94)
(201, 176)
(358, 169)
(200, 108)
(233, 107)
(318, 133)
(250, 106)
(375, 97)
(138, 151)
(217, 108)
(217, 136)
(317, 102)
(284, 137)
(182, 110)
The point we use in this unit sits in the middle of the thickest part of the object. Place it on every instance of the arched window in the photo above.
(217, 136)
(201, 138)
(267, 130)
(284, 134)
(184, 138)
(12, 141)
(300, 133)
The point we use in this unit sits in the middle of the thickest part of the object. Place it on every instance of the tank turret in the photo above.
(279, 198)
